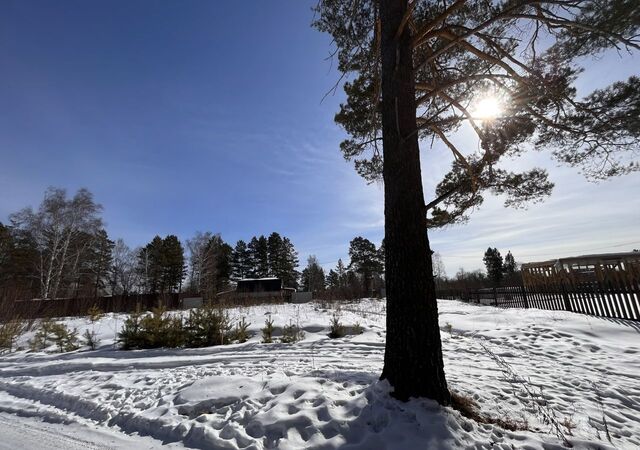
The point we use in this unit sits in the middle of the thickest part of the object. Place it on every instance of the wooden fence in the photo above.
(619, 300)
(33, 309)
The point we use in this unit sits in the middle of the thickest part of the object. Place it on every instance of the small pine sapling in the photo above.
(240, 332)
(65, 339)
(267, 331)
(336, 330)
(130, 336)
(91, 339)
(9, 332)
(95, 313)
(291, 334)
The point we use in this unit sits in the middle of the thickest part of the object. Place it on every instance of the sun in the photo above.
(487, 108)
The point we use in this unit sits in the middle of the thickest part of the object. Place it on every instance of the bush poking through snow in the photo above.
(336, 330)
(357, 328)
(91, 339)
(207, 326)
(9, 332)
(130, 335)
(51, 332)
(291, 334)
(152, 330)
(240, 333)
(267, 331)
(95, 313)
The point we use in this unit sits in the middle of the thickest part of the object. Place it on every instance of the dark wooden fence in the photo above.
(33, 309)
(619, 300)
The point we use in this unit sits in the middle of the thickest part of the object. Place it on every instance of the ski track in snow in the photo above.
(324, 393)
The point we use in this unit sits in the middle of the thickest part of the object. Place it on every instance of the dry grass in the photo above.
(469, 409)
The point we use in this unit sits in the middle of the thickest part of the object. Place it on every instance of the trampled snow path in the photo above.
(324, 393)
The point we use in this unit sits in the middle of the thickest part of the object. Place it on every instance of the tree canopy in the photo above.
(524, 54)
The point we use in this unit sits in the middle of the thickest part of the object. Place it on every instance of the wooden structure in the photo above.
(256, 290)
(606, 285)
(584, 269)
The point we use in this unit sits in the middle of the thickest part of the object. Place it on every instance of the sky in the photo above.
(206, 116)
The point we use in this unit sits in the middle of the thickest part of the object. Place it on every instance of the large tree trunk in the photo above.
(413, 355)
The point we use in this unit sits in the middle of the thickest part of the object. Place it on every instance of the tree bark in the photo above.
(413, 362)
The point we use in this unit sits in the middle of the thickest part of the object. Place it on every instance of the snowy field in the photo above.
(554, 373)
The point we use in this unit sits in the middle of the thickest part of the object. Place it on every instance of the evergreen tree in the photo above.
(259, 256)
(275, 254)
(242, 264)
(509, 267)
(341, 271)
(413, 69)
(99, 260)
(217, 267)
(366, 260)
(283, 260)
(313, 279)
(493, 262)
(173, 264)
(151, 265)
(333, 281)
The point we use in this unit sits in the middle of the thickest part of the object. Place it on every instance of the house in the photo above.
(251, 290)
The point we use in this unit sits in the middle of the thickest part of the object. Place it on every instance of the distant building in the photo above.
(250, 290)
(584, 269)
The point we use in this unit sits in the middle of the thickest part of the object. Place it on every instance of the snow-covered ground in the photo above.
(534, 367)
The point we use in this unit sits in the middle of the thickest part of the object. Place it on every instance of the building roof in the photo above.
(586, 259)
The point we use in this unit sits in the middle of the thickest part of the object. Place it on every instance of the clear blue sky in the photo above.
(207, 115)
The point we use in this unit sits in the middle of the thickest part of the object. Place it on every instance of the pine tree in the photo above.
(313, 279)
(99, 260)
(173, 264)
(242, 265)
(217, 267)
(509, 267)
(493, 262)
(259, 256)
(413, 69)
(366, 260)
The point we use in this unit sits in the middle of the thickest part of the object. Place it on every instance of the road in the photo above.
(23, 433)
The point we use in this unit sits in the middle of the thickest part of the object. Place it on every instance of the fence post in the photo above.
(524, 296)
(565, 297)
(495, 297)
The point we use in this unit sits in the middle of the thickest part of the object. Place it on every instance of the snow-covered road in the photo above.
(24, 433)
(324, 393)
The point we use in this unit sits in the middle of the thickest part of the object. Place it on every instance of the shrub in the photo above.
(130, 335)
(267, 331)
(152, 330)
(357, 328)
(95, 313)
(291, 334)
(207, 326)
(91, 339)
(240, 332)
(51, 332)
(9, 332)
(337, 330)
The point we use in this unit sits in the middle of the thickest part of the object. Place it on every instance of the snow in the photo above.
(324, 393)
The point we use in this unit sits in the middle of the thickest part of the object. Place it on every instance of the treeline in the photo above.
(363, 277)
(499, 271)
(62, 250)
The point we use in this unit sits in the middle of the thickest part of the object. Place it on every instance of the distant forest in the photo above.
(62, 250)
